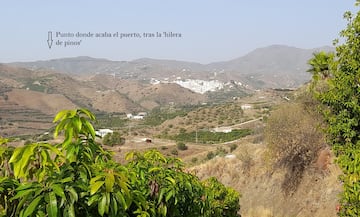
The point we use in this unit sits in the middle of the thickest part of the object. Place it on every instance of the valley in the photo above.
(211, 117)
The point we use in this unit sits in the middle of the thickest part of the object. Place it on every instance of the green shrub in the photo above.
(220, 151)
(112, 139)
(181, 146)
(224, 201)
(210, 155)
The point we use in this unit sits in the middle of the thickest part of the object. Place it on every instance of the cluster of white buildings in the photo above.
(200, 86)
(197, 85)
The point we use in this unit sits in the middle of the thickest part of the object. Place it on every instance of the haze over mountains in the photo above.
(276, 66)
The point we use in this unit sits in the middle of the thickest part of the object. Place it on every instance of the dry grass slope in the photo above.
(260, 185)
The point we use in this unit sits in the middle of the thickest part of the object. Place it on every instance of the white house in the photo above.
(246, 106)
(222, 130)
(138, 117)
(103, 132)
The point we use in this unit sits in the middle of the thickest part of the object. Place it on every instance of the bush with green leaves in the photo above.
(223, 201)
(220, 151)
(210, 155)
(112, 139)
(79, 178)
(181, 146)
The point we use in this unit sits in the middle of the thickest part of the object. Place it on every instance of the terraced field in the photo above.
(16, 120)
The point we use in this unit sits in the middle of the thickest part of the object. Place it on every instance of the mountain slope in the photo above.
(276, 66)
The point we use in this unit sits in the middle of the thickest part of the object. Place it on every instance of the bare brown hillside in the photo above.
(46, 103)
(171, 94)
(109, 100)
(147, 95)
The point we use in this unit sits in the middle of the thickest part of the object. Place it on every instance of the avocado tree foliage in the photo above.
(341, 102)
(79, 178)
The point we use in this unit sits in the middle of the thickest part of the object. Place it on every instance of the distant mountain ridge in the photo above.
(275, 66)
(32, 92)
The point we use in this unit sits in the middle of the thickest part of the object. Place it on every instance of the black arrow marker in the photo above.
(49, 41)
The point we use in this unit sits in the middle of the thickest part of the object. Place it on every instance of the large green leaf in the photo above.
(109, 182)
(70, 211)
(24, 193)
(87, 113)
(51, 148)
(171, 180)
(90, 128)
(102, 205)
(121, 200)
(60, 115)
(73, 194)
(51, 207)
(21, 160)
(77, 123)
(95, 179)
(58, 190)
(93, 199)
(95, 187)
(32, 206)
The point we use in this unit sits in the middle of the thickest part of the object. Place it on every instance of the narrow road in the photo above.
(243, 123)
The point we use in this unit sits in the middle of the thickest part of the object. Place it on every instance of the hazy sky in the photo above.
(211, 30)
